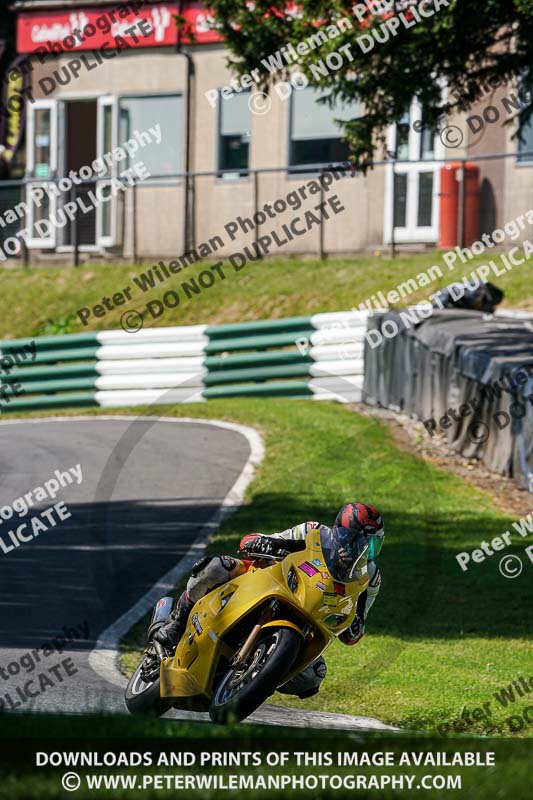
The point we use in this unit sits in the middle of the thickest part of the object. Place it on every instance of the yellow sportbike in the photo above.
(254, 633)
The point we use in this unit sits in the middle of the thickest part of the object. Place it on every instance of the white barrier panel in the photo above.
(337, 383)
(333, 319)
(154, 350)
(165, 380)
(142, 397)
(336, 335)
(341, 367)
(177, 333)
(351, 397)
(144, 365)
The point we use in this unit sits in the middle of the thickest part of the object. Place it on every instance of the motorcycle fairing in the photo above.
(318, 606)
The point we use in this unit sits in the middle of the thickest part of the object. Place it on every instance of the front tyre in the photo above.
(240, 692)
(143, 696)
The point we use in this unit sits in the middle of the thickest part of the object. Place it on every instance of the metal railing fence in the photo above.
(172, 214)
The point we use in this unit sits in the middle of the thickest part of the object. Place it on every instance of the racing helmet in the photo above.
(365, 519)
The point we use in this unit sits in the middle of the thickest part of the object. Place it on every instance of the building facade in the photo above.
(239, 149)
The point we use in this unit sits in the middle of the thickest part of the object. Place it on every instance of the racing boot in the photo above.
(307, 683)
(172, 631)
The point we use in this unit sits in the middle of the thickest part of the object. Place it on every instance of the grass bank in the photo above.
(45, 300)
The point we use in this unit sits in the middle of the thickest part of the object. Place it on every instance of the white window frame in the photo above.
(52, 106)
(103, 103)
(412, 232)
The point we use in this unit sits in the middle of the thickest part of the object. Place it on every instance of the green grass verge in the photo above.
(45, 300)
(438, 638)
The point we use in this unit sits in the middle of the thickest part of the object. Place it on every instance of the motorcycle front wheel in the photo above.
(242, 691)
(143, 696)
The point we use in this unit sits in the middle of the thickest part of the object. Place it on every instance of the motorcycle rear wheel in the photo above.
(241, 692)
(144, 699)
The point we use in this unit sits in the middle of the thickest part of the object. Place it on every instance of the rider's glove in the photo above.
(263, 546)
(354, 633)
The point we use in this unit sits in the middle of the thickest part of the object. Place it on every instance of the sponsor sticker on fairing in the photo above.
(308, 568)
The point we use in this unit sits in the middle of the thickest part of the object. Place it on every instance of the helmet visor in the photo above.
(345, 551)
(375, 543)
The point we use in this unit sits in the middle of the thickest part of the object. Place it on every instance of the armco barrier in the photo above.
(317, 357)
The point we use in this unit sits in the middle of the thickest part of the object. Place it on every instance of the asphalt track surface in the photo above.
(148, 488)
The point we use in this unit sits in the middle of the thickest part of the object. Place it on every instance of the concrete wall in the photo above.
(490, 139)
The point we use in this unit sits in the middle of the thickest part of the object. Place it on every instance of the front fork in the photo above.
(268, 618)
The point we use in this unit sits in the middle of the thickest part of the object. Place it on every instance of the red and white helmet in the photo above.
(365, 519)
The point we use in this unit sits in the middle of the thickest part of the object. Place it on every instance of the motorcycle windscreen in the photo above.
(345, 552)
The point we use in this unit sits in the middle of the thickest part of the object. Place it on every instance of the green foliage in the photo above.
(57, 327)
(465, 45)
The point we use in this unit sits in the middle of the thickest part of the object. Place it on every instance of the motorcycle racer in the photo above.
(211, 572)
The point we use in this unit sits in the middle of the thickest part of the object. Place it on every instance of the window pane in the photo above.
(107, 144)
(427, 143)
(314, 120)
(400, 200)
(107, 218)
(234, 134)
(142, 113)
(525, 143)
(234, 153)
(41, 209)
(235, 114)
(318, 151)
(315, 136)
(425, 199)
(43, 119)
(402, 137)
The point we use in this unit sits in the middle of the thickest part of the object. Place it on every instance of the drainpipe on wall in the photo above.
(188, 220)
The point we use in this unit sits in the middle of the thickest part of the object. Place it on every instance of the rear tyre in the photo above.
(240, 692)
(143, 697)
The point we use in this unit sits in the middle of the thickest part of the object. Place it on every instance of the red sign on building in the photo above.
(91, 28)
